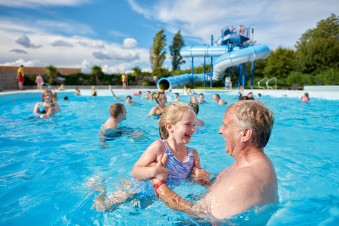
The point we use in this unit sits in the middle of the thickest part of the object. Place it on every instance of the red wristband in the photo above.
(204, 183)
(155, 187)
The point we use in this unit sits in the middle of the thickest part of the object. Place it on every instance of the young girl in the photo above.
(176, 128)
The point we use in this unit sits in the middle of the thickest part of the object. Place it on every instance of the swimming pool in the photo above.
(45, 164)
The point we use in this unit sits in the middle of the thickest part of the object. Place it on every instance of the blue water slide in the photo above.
(225, 59)
(243, 55)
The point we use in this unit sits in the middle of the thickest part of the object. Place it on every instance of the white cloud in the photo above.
(120, 68)
(130, 43)
(77, 51)
(36, 3)
(27, 63)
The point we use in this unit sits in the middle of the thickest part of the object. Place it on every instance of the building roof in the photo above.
(40, 70)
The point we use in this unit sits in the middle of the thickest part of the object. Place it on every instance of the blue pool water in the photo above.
(45, 164)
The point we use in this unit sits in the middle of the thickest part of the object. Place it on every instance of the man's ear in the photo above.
(169, 127)
(246, 135)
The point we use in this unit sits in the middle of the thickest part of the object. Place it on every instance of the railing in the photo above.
(261, 81)
(268, 81)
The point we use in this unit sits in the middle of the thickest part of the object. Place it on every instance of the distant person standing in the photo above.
(39, 81)
(20, 77)
(240, 93)
(123, 79)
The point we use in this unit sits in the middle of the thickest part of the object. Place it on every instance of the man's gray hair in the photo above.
(254, 115)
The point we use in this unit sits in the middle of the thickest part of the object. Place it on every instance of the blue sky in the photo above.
(117, 34)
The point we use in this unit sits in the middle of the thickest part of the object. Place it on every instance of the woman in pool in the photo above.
(176, 128)
(40, 107)
(161, 99)
(94, 92)
(305, 98)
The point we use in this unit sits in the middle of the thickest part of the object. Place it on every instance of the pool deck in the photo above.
(103, 91)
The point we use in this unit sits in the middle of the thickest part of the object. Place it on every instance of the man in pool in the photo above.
(250, 182)
(118, 113)
(217, 99)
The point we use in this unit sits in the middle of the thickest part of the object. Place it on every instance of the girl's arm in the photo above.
(200, 175)
(152, 112)
(141, 171)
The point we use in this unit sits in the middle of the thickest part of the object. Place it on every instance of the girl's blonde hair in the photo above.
(172, 114)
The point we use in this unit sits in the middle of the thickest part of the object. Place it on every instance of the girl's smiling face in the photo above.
(184, 129)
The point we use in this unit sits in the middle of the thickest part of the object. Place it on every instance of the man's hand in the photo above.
(161, 171)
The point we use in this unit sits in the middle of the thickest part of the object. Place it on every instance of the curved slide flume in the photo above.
(225, 59)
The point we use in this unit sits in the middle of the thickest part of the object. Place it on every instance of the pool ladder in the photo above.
(261, 81)
(267, 82)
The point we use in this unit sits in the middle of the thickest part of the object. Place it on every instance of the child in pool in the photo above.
(176, 127)
(195, 108)
(50, 110)
(305, 98)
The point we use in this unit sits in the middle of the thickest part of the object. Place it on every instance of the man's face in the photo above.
(229, 130)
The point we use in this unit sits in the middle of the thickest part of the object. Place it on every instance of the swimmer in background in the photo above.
(201, 98)
(40, 107)
(161, 99)
(94, 92)
(137, 94)
(250, 96)
(195, 108)
(194, 100)
(118, 114)
(188, 91)
(240, 93)
(61, 87)
(259, 95)
(305, 98)
(176, 97)
(129, 100)
(217, 99)
(115, 96)
(146, 95)
(55, 96)
(176, 128)
(77, 91)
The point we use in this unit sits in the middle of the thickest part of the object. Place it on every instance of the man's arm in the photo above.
(173, 200)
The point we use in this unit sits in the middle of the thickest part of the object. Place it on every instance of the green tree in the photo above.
(157, 52)
(177, 44)
(96, 71)
(136, 72)
(51, 71)
(318, 48)
(280, 63)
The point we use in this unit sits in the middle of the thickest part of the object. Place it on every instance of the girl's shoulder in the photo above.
(157, 146)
